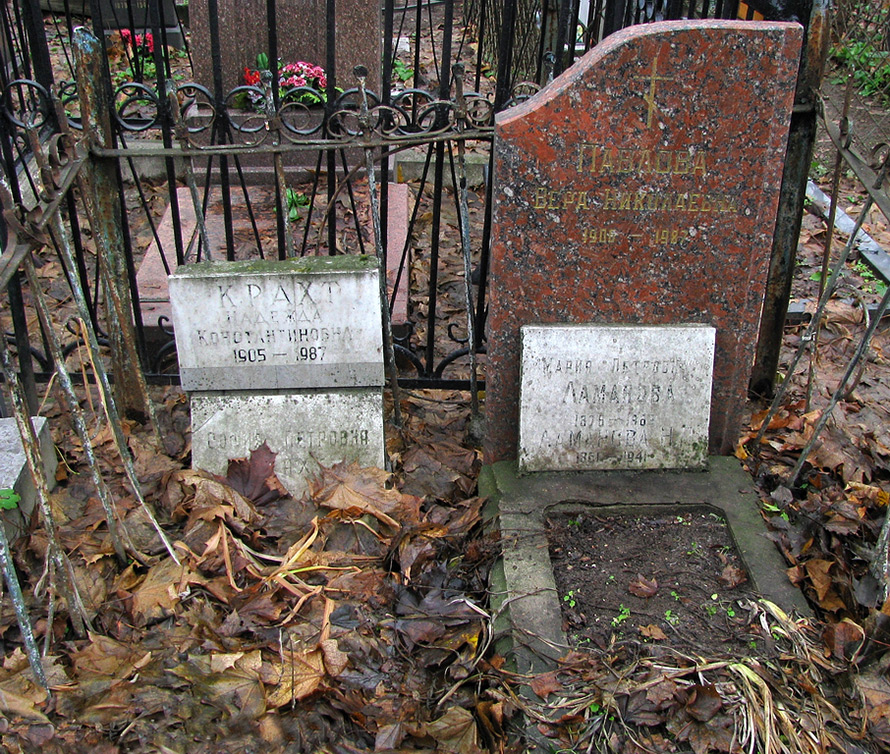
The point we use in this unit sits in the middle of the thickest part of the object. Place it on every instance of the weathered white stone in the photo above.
(615, 396)
(264, 325)
(304, 428)
(14, 473)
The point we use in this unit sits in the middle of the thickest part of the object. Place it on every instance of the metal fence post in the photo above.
(100, 188)
(791, 202)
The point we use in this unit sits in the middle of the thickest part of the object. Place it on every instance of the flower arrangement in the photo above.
(139, 53)
(142, 45)
(291, 76)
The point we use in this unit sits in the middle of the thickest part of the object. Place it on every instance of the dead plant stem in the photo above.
(63, 243)
(21, 610)
(77, 418)
(31, 446)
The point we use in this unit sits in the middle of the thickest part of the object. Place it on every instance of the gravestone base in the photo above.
(532, 618)
(305, 429)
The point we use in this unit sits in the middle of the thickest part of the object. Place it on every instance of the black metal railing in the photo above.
(215, 147)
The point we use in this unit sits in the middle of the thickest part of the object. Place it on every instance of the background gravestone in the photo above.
(301, 30)
(641, 187)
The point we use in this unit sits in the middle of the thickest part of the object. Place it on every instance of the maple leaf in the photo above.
(104, 656)
(255, 478)
(455, 731)
(298, 676)
(164, 586)
(359, 491)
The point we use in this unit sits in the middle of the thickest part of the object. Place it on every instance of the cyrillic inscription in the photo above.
(273, 326)
(613, 397)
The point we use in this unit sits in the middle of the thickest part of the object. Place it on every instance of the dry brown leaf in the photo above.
(704, 702)
(298, 676)
(255, 478)
(653, 632)
(733, 576)
(335, 661)
(818, 570)
(643, 587)
(455, 731)
(359, 491)
(106, 657)
(844, 639)
(545, 684)
(164, 586)
(13, 705)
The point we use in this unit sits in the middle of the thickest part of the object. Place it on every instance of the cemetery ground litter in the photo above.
(358, 619)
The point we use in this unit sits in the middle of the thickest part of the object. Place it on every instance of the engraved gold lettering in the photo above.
(625, 161)
(553, 200)
(682, 163)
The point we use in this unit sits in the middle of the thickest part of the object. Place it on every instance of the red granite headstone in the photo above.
(641, 187)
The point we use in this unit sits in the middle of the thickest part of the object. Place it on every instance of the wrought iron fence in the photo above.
(278, 164)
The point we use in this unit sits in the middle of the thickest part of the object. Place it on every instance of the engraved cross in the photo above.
(649, 98)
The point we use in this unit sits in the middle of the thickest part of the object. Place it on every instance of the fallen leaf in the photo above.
(653, 632)
(455, 731)
(13, 705)
(545, 684)
(298, 676)
(255, 478)
(359, 491)
(643, 587)
(164, 586)
(732, 576)
(704, 702)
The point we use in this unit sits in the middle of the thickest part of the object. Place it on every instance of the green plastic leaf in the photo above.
(9, 499)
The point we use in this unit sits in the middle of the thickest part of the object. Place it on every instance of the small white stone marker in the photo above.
(14, 473)
(269, 325)
(605, 397)
(305, 429)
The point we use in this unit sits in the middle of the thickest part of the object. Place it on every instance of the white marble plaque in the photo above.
(615, 396)
(305, 429)
(269, 325)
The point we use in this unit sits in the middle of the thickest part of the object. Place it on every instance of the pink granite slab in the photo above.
(151, 277)
(641, 186)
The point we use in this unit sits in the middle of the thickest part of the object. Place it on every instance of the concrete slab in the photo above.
(14, 473)
(409, 166)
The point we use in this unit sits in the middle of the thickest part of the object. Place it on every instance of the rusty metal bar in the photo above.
(801, 137)
(99, 186)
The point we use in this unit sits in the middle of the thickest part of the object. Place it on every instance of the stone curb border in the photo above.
(525, 600)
